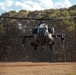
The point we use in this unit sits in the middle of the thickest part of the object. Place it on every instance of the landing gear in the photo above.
(63, 48)
(23, 41)
(62, 40)
(34, 45)
(50, 45)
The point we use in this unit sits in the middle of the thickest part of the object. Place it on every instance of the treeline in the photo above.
(11, 30)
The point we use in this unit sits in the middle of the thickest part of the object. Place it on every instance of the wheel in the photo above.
(53, 42)
(35, 47)
(62, 40)
(32, 43)
(23, 41)
(50, 46)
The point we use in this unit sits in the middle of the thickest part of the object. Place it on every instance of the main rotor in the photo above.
(40, 19)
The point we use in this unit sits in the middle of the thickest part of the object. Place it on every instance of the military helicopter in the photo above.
(43, 35)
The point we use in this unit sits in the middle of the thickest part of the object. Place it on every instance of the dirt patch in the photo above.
(29, 68)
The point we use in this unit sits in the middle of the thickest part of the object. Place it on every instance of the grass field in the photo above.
(29, 68)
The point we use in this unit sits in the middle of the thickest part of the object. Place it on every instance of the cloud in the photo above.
(63, 4)
(46, 4)
(33, 4)
(6, 5)
(42, 4)
(67, 3)
(28, 5)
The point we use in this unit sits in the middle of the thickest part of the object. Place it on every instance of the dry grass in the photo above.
(29, 68)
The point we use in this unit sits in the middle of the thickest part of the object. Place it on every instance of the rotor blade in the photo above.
(16, 17)
(24, 18)
(65, 17)
(36, 18)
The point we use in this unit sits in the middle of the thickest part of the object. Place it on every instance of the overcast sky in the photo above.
(7, 5)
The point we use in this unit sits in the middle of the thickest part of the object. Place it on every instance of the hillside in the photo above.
(11, 48)
(73, 7)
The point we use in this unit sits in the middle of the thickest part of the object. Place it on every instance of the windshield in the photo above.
(41, 29)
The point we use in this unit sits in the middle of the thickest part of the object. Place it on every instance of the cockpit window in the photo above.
(41, 29)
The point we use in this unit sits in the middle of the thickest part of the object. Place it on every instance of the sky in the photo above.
(17, 5)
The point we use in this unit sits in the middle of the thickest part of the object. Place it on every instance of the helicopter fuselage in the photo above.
(43, 36)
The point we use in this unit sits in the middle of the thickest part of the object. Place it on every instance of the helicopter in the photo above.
(43, 35)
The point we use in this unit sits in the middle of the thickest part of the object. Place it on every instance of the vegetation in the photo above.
(11, 48)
